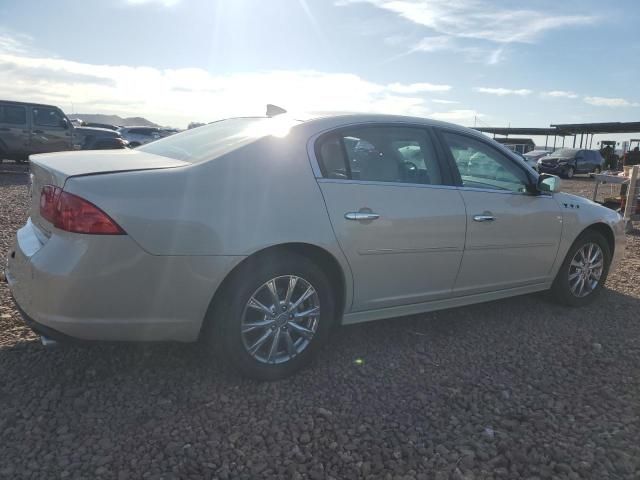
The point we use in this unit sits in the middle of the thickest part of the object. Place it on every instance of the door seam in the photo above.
(464, 246)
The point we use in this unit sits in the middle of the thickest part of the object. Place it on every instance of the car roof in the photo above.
(27, 104)
(321, 121)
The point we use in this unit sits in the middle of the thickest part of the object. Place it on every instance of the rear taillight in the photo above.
(71, 213)
(48, 200)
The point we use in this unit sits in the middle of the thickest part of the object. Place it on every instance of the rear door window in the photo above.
(13, 115)
(380, 154)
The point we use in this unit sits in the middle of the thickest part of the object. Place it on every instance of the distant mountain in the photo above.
(114, 120)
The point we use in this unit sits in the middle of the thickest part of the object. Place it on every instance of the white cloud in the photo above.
(164, 3)
(495, 56)
(434, 43)
(439, 43)
(504, 91)
(178, 96)
(560, 94)
(14, 43)
(414, 88)
(464, 117)
(478, 19)
(610, 102)
(444, 102)
(458, 25)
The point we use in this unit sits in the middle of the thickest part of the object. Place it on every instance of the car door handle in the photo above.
(483, 218)
(361, 216)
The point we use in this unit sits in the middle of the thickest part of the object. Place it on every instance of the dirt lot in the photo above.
(519, 388)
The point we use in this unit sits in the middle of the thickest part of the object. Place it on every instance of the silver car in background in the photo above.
(137, 136)
(533, 156)
(258, 235)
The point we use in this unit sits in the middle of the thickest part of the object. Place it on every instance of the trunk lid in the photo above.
(56, 168)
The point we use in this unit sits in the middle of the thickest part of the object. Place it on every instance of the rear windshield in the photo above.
(217, 138)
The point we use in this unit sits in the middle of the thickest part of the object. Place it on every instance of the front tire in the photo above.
(584, 270)
(272, 316)
(569, 173)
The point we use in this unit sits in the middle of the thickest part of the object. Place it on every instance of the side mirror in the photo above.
(64, 124)
(548, 183)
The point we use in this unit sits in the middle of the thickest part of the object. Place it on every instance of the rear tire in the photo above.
(239, 322)
(566, 286)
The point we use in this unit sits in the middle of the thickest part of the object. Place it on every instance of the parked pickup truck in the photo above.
(27, 128)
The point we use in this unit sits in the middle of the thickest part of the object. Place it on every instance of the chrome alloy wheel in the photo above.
(586, 269)
(280, 319)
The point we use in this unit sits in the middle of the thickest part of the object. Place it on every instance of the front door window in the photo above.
(482, 166)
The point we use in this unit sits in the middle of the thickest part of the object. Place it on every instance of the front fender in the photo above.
(578, 214)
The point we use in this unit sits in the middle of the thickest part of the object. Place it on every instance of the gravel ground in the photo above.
(519, 388)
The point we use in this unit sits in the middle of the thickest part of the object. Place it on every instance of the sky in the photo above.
(471, 62)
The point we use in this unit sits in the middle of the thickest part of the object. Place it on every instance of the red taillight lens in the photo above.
(48, 200)
(74, 214)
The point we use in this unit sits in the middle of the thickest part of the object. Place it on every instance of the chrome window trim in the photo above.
(393, 184)
(426, 185)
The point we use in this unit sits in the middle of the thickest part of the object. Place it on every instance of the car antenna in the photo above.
(274, 110)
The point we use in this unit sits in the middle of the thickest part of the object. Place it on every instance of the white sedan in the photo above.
(258, 235)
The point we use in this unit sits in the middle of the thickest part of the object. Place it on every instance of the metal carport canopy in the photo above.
(518, 131)
(592, 128)
(546, 132)
(568, 129)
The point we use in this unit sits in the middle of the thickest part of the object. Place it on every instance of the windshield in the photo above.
(217, 138)
(564, 153)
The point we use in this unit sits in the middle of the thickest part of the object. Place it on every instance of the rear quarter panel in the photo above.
(261, 195)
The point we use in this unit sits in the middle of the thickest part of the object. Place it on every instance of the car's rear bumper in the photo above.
(95, 287)
(43, 330)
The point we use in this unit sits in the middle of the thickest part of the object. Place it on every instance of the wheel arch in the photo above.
(322, 257)
(606, 231)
